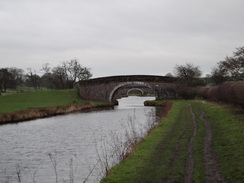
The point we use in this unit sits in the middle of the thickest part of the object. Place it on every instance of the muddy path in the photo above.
(185, 147)
(210, 161)
(190, 160)
(212, 172)
(191, 129)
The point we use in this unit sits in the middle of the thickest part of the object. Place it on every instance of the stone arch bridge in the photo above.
(105, 88)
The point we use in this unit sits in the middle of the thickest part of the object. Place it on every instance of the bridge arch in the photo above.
(134, 83)
(133, 89)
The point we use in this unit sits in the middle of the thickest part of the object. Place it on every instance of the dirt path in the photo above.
(212, 173)
(190, 159)
(185, 153)
(189, 131)
(210, 161)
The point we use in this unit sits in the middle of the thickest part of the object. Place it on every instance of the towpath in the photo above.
(182, 153)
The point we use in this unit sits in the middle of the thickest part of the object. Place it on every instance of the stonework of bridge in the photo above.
(106, 88)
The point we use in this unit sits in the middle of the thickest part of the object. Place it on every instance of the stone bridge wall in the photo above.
(103, 89)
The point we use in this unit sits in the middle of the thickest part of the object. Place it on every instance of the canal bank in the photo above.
(196, 142)
(40, 104)
(35, 113)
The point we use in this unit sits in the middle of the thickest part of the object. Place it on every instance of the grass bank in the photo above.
(165, 155)
(39, 104)
(28, 100)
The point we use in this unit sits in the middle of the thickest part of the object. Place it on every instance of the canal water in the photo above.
(69, 148)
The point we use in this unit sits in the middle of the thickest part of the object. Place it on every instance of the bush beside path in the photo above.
(196, 142)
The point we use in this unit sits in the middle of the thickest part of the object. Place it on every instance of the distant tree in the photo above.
(49, 79)
(232, 68)
(75, 72)
(234, 65)
(7, 80)
(169, 74)
(46, 80)
(33, 79)
(66, 75)
(188, 71)
(18, 75)
(218, 75)
(59, 76)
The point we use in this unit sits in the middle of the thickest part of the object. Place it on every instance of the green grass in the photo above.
(27, 100)
(151, 160)
(228, 130)
(20, 89)
(162, 155)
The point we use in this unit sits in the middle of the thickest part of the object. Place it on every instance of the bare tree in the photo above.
(218, 75)
(232, 68)
(52, 78)
(188, 71)
(6, 80)
(67, 74)
(75, 72)
(17, 74)
(33, 79)
(60, 77)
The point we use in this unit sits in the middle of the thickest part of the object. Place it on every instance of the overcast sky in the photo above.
(118, 37)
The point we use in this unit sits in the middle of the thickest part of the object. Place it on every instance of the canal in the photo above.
(70, 148)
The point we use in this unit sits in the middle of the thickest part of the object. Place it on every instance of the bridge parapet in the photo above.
(127, 78)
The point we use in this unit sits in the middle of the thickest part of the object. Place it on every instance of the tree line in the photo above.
(229, 69)
(63, 76)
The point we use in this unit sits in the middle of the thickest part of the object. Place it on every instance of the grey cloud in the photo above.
(150, 36)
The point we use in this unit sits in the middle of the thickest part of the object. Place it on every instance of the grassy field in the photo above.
(28, 100)
(165, 155)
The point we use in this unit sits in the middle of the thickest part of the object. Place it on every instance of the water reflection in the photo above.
(72, 141)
